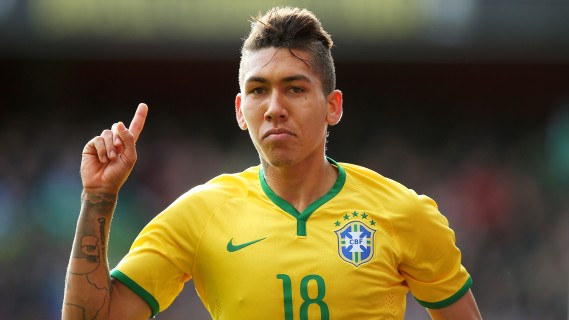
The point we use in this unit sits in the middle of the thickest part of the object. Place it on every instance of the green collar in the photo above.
(303, 216)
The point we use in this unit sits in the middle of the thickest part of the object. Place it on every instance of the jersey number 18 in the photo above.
(307, 300)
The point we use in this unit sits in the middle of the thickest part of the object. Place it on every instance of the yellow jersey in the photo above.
(352, 254)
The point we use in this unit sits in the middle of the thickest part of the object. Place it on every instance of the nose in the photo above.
(276, 110)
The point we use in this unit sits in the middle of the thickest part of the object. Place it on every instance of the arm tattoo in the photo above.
(88, 280)
(104, 203)
(102, 233)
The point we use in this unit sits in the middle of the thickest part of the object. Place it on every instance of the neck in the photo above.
(300, 185)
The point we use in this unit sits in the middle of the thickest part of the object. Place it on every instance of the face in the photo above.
(88, 259)
(283, 107)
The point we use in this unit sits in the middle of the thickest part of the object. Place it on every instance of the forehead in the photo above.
(275, 63)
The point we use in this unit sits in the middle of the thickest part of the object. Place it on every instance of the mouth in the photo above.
(277, 132)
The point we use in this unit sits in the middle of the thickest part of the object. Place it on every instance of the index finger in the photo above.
(137, 122)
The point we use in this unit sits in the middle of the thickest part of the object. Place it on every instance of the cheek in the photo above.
(317, 123)
(253, 115)
(314, 126)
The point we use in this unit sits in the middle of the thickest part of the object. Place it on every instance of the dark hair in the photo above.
(294, 29)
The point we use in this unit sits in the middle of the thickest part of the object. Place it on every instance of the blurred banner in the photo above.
(363, 29)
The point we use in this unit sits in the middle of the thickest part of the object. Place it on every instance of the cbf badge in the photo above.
(356, 242)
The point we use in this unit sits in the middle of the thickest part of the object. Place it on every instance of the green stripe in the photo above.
(301, 227)
(154, 306)
(303, 217)
(447, 302)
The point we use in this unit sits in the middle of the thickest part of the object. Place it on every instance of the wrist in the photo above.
(102, 200)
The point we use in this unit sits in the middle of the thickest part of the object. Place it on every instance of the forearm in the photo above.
(88, 285)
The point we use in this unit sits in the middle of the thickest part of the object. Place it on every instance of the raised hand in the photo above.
(109, 158)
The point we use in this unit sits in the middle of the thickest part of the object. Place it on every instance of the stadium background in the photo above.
(465, 101)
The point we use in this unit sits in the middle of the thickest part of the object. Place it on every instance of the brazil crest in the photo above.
(355, 242)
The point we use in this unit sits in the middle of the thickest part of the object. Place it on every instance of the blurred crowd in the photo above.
(476, 124)
(504, 196)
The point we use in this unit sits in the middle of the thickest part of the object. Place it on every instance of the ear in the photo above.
(334, 101)
(239, 113)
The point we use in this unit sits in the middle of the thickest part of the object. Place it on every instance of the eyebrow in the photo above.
(296, 77)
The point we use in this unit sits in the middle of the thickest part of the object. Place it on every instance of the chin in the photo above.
(278, 160)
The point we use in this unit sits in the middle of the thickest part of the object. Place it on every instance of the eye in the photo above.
(258, 90)
(295, 90)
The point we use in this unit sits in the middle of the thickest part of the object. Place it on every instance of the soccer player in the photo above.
(299, 236)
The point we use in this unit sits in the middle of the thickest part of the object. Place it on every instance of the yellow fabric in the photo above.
(284, 275)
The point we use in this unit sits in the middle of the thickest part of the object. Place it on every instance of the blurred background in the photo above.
(465, 101)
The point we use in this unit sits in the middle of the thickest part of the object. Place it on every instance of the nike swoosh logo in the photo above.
(234, 247)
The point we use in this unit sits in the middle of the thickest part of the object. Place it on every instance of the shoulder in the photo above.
(400, 202)
(359, 175)
(369, 181)
(221, 189)
(193, 209)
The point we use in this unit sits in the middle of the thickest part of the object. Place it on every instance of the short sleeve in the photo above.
(430, 260)
(161, 257)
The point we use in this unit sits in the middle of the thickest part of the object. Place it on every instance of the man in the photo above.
(298, 237)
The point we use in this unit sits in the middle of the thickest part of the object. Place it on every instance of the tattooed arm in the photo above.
(90, 293)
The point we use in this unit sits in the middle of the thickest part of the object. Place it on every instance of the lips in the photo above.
(276, 131)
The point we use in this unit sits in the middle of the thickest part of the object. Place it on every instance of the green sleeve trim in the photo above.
(154, 306)
(447, 302)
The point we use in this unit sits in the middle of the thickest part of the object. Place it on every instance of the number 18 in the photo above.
(307, 300)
